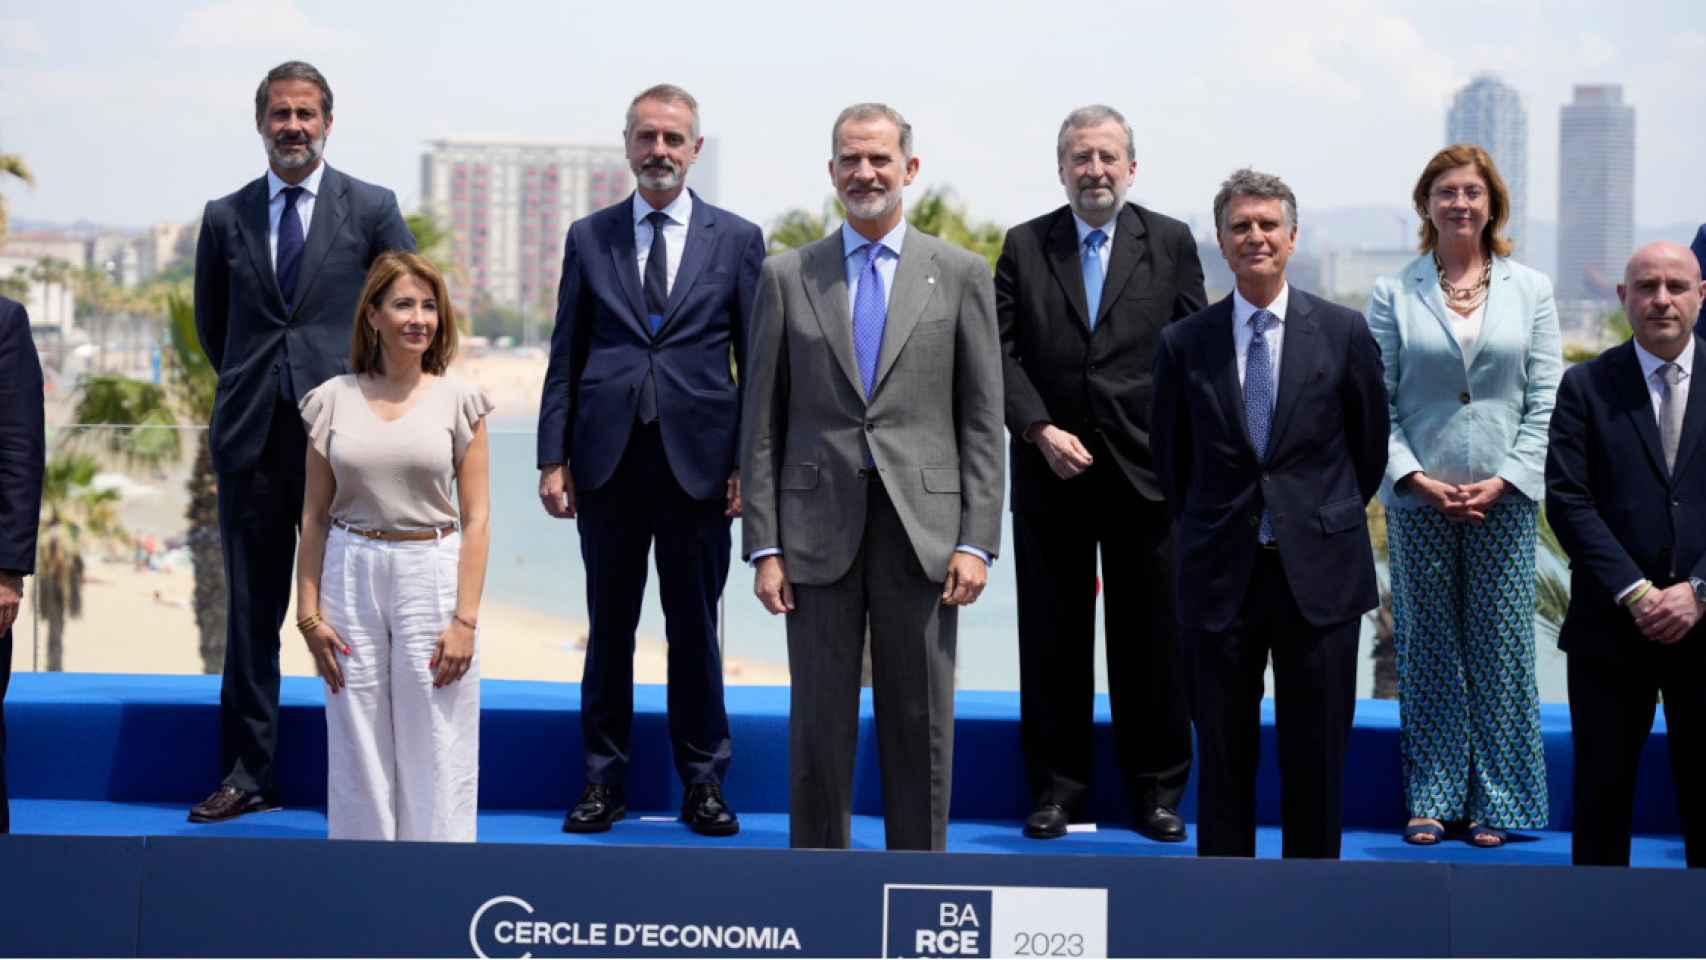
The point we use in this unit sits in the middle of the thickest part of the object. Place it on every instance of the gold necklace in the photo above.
(1469, 296)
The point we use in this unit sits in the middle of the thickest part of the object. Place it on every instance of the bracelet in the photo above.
(1640, 592)
(465, 622)
(309, 622)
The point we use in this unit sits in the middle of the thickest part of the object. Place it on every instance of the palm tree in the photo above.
(798, 227)
(12, 165)
(73, 514)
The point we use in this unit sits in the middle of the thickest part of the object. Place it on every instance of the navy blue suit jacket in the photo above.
(602, 348)
(1617, 513)
(1700, 250)
(239, 311)
(1326, 455)
(22, 442)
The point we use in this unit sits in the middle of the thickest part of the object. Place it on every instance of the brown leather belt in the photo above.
(394, 536)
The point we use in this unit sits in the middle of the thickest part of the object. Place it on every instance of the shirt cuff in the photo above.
(1624, 593)
(758, 555)
(980, 554)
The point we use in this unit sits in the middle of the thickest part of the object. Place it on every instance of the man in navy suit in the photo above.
(637, 435)
(1270, 431)
(278, 268)
(1626, 493)
(22, 450)
(1700, 248)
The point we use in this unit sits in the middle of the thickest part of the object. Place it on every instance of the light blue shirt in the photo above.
(1084, 232)
(1243, 333)
(304, 205)
(888, 257)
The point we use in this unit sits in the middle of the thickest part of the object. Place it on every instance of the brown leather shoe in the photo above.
(228, 803)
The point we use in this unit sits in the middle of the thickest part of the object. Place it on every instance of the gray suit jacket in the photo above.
(933, 423)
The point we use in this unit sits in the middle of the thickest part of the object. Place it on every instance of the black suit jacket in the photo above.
(1095, 385)
(602, 348)
(1325, 458)
(22, 443)
(1618, 514)
(239, 312)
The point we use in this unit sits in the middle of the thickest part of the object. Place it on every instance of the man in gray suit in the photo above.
(871, 453)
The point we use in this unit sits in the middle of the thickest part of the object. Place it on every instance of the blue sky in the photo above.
(136, 113)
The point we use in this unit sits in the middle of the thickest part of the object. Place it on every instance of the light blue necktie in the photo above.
(1092, 262)
(870, 315)
(1259, 399)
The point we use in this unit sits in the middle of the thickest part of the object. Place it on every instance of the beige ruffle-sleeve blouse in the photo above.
(394, 475)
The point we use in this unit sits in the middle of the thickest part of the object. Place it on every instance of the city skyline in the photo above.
(1341, 98)
(1596, 192)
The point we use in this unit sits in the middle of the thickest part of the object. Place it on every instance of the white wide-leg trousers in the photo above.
(403, 757)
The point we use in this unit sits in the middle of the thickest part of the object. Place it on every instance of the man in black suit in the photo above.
(1082, 294)
(22, 451)
(278, 267)
(638, 426)
(1626, 493)
(1270, 438)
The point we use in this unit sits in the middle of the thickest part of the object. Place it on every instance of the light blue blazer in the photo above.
(1457, 423)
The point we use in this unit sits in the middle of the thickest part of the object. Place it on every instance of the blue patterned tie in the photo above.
(1092, 263)
(1259, 399)
(289, 247)
(870, 315)
(656, 282)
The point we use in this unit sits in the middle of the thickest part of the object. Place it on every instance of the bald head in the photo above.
(1661, 293)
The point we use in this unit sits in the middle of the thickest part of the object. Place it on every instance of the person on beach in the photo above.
(391, 566)
(278, 265)
(1471, 344)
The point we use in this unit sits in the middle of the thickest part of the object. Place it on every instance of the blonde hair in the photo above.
(365, 355)
(1498, 196)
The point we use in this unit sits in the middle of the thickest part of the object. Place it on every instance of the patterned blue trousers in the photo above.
(1463, 611)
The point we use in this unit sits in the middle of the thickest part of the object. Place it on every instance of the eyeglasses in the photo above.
(1450, 194)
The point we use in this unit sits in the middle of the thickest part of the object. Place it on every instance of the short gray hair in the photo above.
(1251, 183)
(663, 93)
(872, 111)
(292, 70)
(1093, 115)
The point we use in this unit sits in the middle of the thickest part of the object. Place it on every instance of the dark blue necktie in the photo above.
(657, 273)
(870, 315)
(1259, 399)
(289, 247)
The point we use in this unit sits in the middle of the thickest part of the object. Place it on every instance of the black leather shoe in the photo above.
(705, 811)
(1161, 823)
(1047, 822)
(228, 803)
(600, 805)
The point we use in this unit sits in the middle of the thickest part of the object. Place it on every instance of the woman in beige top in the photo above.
(391, 567)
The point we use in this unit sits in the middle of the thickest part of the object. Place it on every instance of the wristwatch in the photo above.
(1699, 586)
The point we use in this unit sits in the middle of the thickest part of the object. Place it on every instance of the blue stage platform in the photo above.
(97, 758)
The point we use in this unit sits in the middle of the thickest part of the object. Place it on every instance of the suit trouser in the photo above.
(260, 510)
(642, 503)
(1612, 699)
(5, 681)
(1055, 554)
(402, 756)
(912, 638)
(1314, 703)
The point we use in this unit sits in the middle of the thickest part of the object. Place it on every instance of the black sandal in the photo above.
(1485, 837)
(1424, 834)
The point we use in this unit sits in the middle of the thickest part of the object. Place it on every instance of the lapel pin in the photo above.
(929, 279)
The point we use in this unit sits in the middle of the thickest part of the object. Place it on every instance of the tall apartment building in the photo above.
(1596, 192)
(508, 205)
(1489, 114)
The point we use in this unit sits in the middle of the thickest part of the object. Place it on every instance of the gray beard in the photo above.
(316, 149)
(871, 209)
(655, 179)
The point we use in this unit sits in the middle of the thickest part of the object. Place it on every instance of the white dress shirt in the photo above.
(1242, 310)
(680, 213)
(1108, 244)
(1467, 330)
(1650, 365)
(304, 205)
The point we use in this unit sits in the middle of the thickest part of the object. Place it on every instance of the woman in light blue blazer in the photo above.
(1471, 346)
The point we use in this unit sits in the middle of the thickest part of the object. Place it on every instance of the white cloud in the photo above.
(21, 36)
(257, 24)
